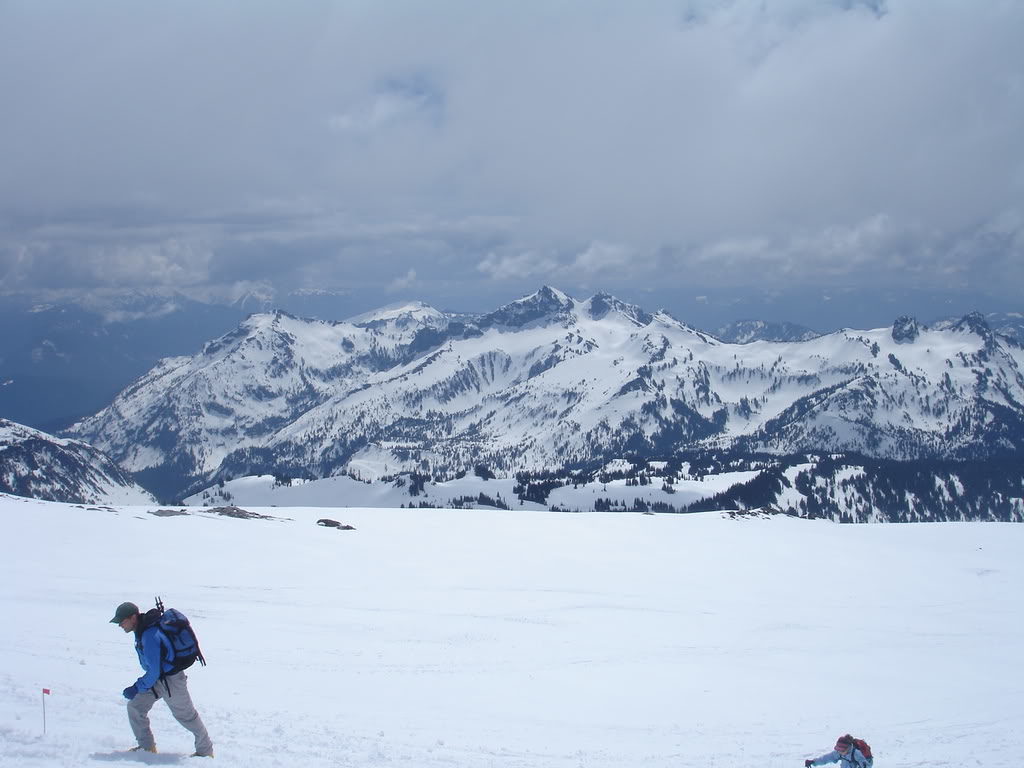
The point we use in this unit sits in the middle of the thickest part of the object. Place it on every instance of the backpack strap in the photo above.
(165, 644)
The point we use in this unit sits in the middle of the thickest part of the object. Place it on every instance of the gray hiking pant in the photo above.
(174, 691)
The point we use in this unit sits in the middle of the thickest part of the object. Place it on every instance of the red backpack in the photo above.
(864, 749)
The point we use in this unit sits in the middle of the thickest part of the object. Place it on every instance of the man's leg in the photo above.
(184, 712)
(138, 718)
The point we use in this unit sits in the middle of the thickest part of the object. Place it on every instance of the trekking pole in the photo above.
(46, 692)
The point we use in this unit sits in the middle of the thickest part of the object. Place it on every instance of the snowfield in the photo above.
(523, 639)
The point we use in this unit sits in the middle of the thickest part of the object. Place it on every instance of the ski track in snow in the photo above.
(473, 638)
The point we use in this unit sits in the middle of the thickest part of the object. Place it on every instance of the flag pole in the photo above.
(46, 692)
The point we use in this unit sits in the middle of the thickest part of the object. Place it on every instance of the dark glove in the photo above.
(130, 692)
(808, 763)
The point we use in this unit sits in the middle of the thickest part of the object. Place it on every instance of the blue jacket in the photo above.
(852, 759)
(154, 649)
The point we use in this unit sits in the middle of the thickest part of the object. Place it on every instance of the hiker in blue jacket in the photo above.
(846, 753)
(151, 644)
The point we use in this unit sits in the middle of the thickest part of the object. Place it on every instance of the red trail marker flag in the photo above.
(46, 692)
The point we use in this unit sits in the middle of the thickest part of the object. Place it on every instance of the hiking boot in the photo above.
(204, 754)
(141, 748)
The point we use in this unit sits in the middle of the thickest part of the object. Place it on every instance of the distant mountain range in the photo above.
(1008, 324)
(549, 382)
(748, 331)
(65, 360)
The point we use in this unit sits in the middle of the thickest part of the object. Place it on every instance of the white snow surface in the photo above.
(481, 638)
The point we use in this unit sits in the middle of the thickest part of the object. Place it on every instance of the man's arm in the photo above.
(150, 658)
(831, 757)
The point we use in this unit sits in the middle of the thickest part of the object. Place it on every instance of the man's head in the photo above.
(843, 744)
(126, 616)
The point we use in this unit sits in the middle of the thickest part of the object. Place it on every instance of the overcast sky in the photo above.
(828, 162)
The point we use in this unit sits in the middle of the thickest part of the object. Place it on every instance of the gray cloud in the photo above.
(456, 149)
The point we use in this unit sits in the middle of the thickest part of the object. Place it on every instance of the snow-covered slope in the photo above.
(441, 639)
(837, 487)
(855, 489)
(549, 381)
(35, 464)
(465, 492)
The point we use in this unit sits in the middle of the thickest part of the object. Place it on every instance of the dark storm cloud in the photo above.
(463, 151)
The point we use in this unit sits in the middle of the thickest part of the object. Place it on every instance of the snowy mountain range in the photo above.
(746, 331)
(42, 466)
(70, 357)
(550, 382)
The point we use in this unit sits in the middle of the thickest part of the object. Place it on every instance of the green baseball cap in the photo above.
(124, 610)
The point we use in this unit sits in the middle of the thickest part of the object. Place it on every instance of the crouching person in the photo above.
(160, 679)
(848, 751)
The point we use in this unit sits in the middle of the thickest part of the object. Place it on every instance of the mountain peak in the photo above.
(548, 296)
(547, 302)
(601, 304)
(905, 330)
(401, 314)
(974, 322)
(256, 325)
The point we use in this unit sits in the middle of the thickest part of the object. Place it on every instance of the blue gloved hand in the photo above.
(130, 692)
